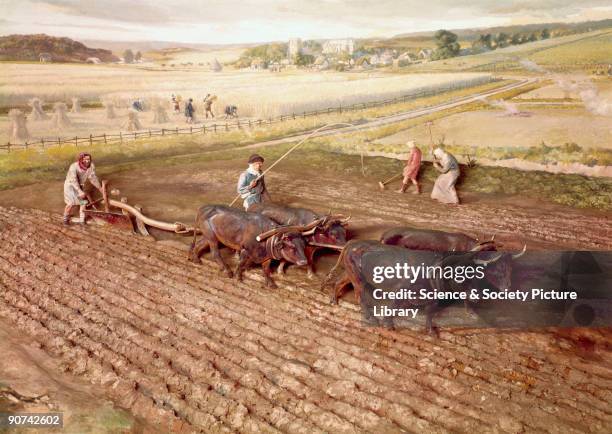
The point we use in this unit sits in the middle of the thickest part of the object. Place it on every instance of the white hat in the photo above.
(438, 152)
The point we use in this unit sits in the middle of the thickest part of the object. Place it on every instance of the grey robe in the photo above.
(444, 187)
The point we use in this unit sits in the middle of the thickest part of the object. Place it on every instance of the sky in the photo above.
(251, 21)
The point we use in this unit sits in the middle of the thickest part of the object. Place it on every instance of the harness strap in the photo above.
(271, 249)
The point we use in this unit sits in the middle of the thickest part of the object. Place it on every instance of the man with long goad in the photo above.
(79, 173)
(411, 170)
(251, 185)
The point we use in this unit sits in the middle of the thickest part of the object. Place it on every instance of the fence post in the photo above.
(190, 130)
(120, 138)
(340, 109)
(25, 145)
(226, 127)
(215, 127)
(293, 116)
(90, 139)
(105, 138)
(238, 124)
(163, 131)
(76, 141)
(203, 129)
(177, 131)
(259, 121)
(304, 115)
(8, 147)
(150, 133)
(42, 142)
(134, 135)
(249, 123)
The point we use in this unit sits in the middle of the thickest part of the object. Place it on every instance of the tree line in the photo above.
(447, 45)
(130, 57)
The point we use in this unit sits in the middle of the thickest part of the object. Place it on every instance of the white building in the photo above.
(425, 53)
(337, 46)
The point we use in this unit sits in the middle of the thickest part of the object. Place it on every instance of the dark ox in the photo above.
(231, 111)
(432, 240)
(239, 230)
(330, 232)
(498, 273)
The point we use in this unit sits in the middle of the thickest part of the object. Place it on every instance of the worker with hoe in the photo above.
(251, 185)
(411, 170)
(79, 173)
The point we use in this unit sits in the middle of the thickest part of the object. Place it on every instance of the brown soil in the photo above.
(188, 350)
(32, 382)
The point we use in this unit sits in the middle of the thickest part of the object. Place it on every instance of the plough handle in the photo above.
(105, 196)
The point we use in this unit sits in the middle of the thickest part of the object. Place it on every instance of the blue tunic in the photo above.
(250, 195)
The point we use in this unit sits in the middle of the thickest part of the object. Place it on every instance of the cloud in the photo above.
(264, 20)
(351, 11)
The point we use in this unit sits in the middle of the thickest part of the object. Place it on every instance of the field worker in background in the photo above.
(78, 174)
(177, 103)
(250, 188)
(208, 101)
(444, 187)
(189, 110)
(411, 171)
(138, 105)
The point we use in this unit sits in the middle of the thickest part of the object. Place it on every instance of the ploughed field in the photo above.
(190, 350)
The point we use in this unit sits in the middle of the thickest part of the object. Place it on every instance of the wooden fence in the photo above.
(236, 124)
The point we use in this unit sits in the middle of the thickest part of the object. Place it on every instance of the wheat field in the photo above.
(259, 94)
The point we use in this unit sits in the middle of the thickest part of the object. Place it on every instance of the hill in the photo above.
(561, 28)
(417, 40)
(30, 47)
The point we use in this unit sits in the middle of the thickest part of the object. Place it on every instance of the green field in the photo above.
(588, 51)
(567, 52)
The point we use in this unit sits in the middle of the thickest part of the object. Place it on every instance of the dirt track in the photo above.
(174, 342)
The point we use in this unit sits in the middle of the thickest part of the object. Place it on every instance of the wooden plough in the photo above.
(130, 217)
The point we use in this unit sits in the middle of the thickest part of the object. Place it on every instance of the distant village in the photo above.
(336, 54)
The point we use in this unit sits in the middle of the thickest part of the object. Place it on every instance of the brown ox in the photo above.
(255, 237)
(329, 233)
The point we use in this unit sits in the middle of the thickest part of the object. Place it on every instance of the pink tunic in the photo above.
(413, 164)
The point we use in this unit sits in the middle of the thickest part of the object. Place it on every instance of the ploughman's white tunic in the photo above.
(75, 182)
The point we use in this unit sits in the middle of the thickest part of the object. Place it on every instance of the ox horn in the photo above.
(521, 253)
(309, 232)
(493, 237)
(344, 220)
(288, 228)
(479, 247)
(486, 262)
